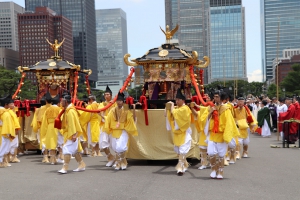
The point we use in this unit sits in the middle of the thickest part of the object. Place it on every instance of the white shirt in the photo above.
(281, 109)
(254, 107)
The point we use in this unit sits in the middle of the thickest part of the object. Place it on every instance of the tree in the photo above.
(291, 81)
(272, 91)
(136, 92)
(9, 81)
(244, 87)
(28, 91)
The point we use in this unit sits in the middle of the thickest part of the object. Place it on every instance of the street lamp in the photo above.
(283, 89)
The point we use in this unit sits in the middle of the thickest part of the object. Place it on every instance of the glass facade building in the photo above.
(282, 15)
(111, 33)
(192, 18)
(227, 40)
(9, 25)
(82, 15)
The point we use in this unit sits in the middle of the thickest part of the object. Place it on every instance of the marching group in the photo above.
(79, 129)
(223, 126)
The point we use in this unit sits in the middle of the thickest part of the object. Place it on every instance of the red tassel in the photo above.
(258, 130)
(249, 117)
(215, 116)
(57, 122)
(27, 104)
(143, 100)
(129, 100)
(197, 101)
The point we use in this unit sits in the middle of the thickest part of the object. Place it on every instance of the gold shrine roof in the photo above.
(165, 53)
(168, 53)
(51, 64)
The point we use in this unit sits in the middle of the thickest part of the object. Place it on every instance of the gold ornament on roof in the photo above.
(163, 53)
(52, 64)
(169, 34)
(55, 46)
(128, 63)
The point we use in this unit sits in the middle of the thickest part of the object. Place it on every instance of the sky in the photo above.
(145, 16)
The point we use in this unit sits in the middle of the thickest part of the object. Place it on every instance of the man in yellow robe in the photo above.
(91, 121)
(221, 133)
(231, 153)
(15, 142)
(37, 127)
(60, 137)
(105, 139)
(71, 131)
(7, 132)
(119, 123)
(243, 119)
(47, 129)
(179, 121)
(201, 122)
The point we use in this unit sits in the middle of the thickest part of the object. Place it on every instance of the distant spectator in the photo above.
(292, 137)
(273, 112)
(255, 105)
(282, 107)
(248, 105)
(263, 119)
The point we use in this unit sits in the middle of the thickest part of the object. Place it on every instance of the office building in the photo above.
(285, 66)
(285, 62)
(9, 58)
(280, 28)
(9, 25)
(111, 33)
(227, 45)
(82, 15)
(192, 18)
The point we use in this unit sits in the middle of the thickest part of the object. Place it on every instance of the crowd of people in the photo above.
(271, 114)
(223, 125)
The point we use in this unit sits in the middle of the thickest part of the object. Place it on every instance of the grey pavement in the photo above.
(269, 173)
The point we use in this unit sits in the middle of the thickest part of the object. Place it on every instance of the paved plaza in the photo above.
(269, 173)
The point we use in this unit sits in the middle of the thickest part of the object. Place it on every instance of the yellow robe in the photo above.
(231, 107)
(71, 125)
(7, 128)
(94, 120)
(34, 123)
(15, 119)
(236, 133)
(115, 126)
(240, 116)
(102, 105)
(39, 119)
(200, 124)
(182, 116)
(227, 127)
(47, 130)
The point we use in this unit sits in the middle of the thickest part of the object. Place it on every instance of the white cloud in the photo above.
(256, 75)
